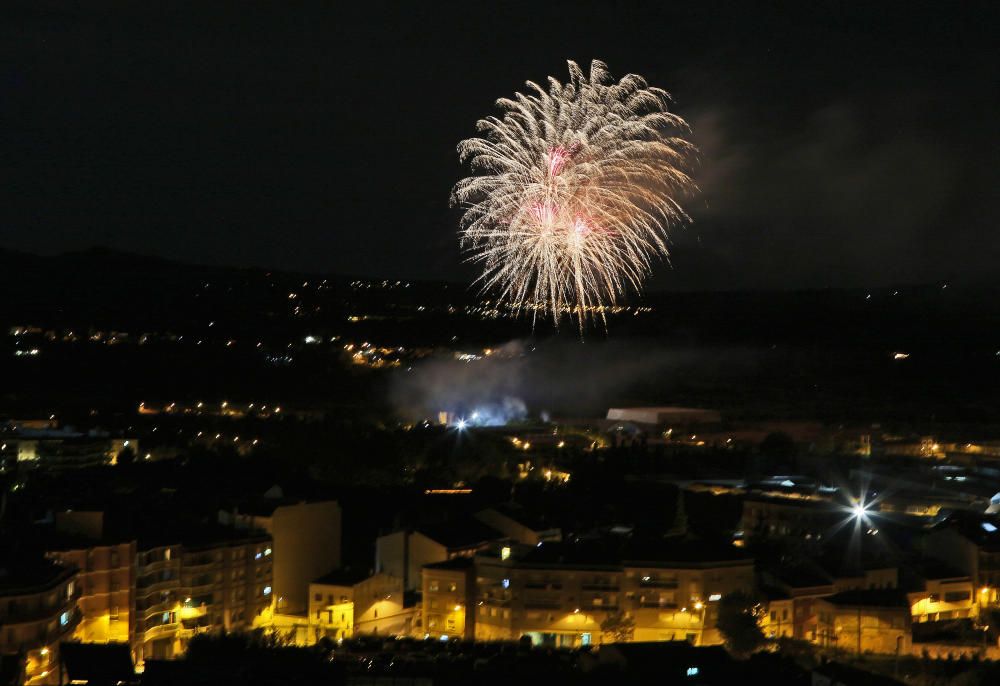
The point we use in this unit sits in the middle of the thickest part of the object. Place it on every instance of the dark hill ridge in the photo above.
(107, 289)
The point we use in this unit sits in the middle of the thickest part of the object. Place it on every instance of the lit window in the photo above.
(64, 619)
(267, 590)
(506, 583)
(267, 551)
(505, 552)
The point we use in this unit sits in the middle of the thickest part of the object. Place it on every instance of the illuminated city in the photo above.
(583, 343)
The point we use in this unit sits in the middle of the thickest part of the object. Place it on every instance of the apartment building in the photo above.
(308, 536)
(153, 582)
(942, 594)
(106, 580)
(970, 542)
(449, 596)
(566, 594)
(38, 610)
(346, 603)
(214, 578)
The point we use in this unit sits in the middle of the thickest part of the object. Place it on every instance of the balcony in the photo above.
(647, 604)
(157, 609)
(608, 587)
(161, 630)
(155, 566)
(496, 602)
(542, 604)
(38, 612)
(161, 585)
(653, 582)
(46, 638)
(201, 565)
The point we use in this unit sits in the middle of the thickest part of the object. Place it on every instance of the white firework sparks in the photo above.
(573, 191)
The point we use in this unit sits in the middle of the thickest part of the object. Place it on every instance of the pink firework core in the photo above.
(581, 227)
(544, 213)
(557, 159)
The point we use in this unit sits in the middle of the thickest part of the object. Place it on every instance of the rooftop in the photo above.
(618, 551)
(983, 530)
(878, 597)
(28, 573)
(346, 576)
(460, 533)
(455, 563)
(793, 575)
(673, 409)
(534, 520)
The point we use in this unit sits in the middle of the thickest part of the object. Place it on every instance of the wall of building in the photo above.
(372, 606)
(378, 606)
(180, 593)
(448, 603)
(514, 530)
(883, 630)
(887, 577)
(107, 587)
(403, 555)
(306, 546)
(34, 621)
(943, 600)
(566, 606)
(779, 619)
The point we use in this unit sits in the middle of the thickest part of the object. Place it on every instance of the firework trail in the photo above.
(573, 191)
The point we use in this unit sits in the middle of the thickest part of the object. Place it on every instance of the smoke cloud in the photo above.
(525, 380)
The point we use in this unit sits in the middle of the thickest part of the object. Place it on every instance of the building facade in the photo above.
(308, 536)
(343, 605)
(38, 610)
(106, 578)
(183, 590)
(865, 621)
(556, 600)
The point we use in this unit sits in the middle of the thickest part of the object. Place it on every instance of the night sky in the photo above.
(843, 144)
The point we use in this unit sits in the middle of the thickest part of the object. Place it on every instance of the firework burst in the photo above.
(574, 188)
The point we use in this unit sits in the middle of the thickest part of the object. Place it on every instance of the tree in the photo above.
(778, 445)
(125, 456)
(618, 626)
(777, 452)
(739, 625)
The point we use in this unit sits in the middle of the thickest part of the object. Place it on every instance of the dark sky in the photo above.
(849, 143)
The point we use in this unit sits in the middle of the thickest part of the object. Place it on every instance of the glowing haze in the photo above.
(574, 189)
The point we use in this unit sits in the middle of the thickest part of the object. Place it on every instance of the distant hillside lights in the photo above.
(222, 409)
